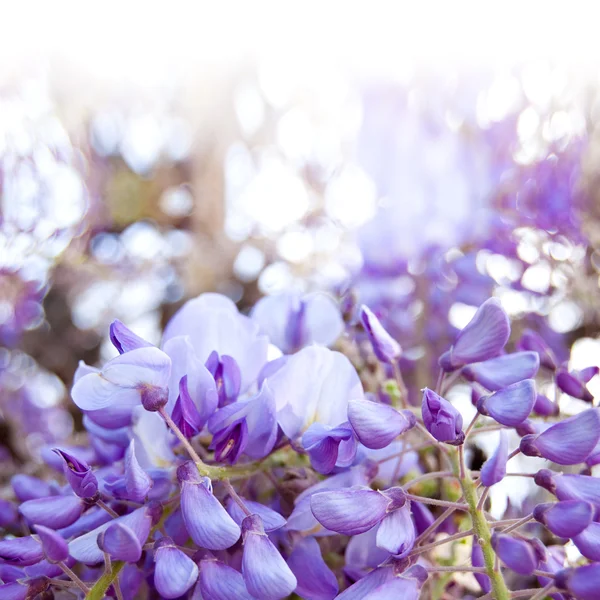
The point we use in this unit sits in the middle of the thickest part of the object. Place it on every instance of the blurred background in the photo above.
(419, 160)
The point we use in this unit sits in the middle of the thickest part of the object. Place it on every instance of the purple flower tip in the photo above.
(386, 348)
(123, 339)
(54, 546)
(442, 420)
(79, 475)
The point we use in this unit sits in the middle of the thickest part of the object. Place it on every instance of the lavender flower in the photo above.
(494, 468)
(574, 383)
(581, 582)
(503, 371)
(510, 406)
(564, 519)
(79, 475)
(174, 572)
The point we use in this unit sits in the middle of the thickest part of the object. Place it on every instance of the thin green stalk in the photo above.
(101, 586)
(482, 531)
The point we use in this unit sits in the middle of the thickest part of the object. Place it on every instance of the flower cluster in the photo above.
(244, 459)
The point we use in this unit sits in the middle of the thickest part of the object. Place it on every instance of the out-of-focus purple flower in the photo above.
(120, 543)
(8, 513)
(219, 581)
(498, 373)
(54, 546)
(494, 468)
(213, 324)
(376, 424)
(27, 487)
(314, 386)
(185, 414)
(545, 407)
(534, 342)
(564, 519)
(137, 377)
(315, 579)
(265, 572)
(583, 582)
(227, 377)
(516, 553)
(511, 405)
(55, 512)
(207, 522)
(568, 442)
(245, 427)
(573, 383)
(442, 420)
(569, 486)
(21, 552)
(200, 382)
(174, 572)
(123, 339)
(385, 347)
(483, 338)
(79, 475)
(477, 560)
(293, 321)
(362, 552)
(588, 541)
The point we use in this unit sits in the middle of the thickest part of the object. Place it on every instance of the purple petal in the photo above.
(292, 322)
(588, 541)
(570, 487)
(213, 323)
(363, 587)
(377, 425)
(564, 519)
(55, 512)
(85, 548)
(265, 572)
(484, 336)
(322, 443)
(123, 339)
(386, 348)
(362, 552)
(572, 385)
(200, 383)
(271, 520)
(396, 532)
(321, 397)
(398, 587)
(500, 372)
(566, 443)
(545, 407)
(122, 378)
(583, 583)
(79, 475)
(315, 579)
(21, 552)
(185, 414)
(530, 340)
(207, 522)
(517, 554)
(511, 405)
(219, 581)
(54, 546)
(121, 543)
(174, 572)
(494, 469)
(350, 511)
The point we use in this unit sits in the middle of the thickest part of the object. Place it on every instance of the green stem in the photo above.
(482, 531)
(101, 586)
